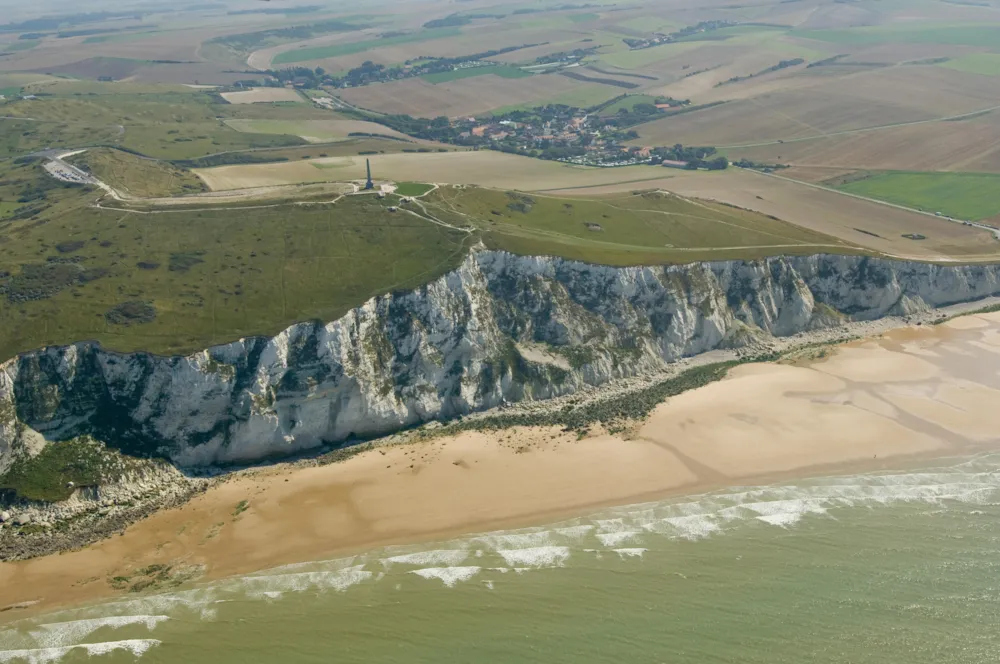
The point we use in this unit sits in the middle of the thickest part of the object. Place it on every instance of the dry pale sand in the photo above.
(262, 95)
(495, 169)
(915, 392)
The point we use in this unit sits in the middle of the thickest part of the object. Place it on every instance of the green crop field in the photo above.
(987, 35)
(987, 64)
(723, 34)
(335, 50)
(967, 196)
(210, 275)
(583, 95)
(121, 37)
(647, 56)
(502, 70)
(21, 45)
(583, 18)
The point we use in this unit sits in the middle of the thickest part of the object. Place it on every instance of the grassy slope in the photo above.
(969, 196)
(413, 188)
(140, 177)
(633, 229)
(219, 274)
(235, 272)
(165, 122)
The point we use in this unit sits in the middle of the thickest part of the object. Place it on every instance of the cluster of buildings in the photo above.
(557, 133)
(660, 38)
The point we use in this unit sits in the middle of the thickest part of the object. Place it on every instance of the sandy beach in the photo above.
(911, 394)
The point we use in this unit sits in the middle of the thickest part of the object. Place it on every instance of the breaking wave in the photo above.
(617, 536)
(137, 647)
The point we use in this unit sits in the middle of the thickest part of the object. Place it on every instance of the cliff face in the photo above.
(499, 328)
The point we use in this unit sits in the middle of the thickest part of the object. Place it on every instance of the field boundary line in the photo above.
(861, 130)
(995, 231)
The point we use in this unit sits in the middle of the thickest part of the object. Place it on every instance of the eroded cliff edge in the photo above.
(500, 328)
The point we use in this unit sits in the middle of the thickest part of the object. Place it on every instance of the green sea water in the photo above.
(886, 568)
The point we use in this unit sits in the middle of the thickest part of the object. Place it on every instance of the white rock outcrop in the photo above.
(448, 348)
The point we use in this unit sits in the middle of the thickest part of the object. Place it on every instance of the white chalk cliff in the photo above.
(500, 327)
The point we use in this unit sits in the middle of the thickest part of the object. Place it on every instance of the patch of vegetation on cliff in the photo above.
(134, 312)
(62, 467)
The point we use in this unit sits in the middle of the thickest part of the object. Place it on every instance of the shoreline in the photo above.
(854, 403)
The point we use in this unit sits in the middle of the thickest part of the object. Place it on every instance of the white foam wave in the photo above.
(630, 553)
(693, 527)
(614, 539)
(339, 580)
(196, 600)
(541, 556)
(52, 635)
(447, 575)
(520, 539)
(137, 647)
(575, 532)
(443, 557)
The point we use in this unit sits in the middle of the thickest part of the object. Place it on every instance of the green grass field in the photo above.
(313, 129)
(647, 229)
(987, 64)
(413, 188)
(212, 275)
(502, 71)
(21, 45)
(724, 34)
(987, 35)
(583, 95)
(165, 122)
(583, 18)
(629, 103)
(966, 196)
(122, 37)
(644, 57)
(7, 208)
(143, 178)
(335, 50)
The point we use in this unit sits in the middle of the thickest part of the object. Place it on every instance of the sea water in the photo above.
(883, 567)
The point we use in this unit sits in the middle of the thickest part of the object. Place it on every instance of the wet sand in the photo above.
(911, 394)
